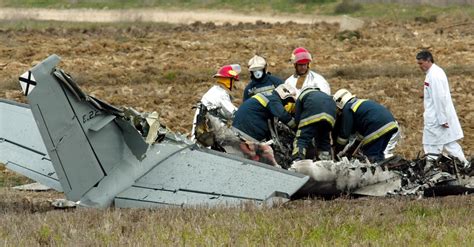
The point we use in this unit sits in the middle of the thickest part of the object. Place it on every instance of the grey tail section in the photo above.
(76, 129)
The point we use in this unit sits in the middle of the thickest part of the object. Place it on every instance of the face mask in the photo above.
(258, 74)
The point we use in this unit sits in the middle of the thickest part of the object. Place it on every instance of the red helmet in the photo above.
(301, 56)
(229, 71)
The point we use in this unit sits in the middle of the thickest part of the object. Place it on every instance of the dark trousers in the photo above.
(320, 132)
(374, 150)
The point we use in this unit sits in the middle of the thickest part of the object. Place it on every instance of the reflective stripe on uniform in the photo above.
(262, 99)
(296, 150)
(316, 118)
(380, 132)
(342, 141)
(306, 91)
(264, 89)
(356, 104)
(291, 123)
(295, 143)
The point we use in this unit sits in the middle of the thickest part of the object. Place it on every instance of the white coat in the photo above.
(439, 109)
(218, 98)
(313, 79)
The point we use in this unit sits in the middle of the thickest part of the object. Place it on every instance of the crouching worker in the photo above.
(216, 102)
(373, 124)
(255, 117)
(315, 116)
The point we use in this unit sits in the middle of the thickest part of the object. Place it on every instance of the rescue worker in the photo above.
(261, 80)
(252, 117)
(373, 124)
(216, 101)
(315, 116)
(303, 76)
(441, 124)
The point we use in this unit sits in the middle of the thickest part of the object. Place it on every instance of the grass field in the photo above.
(306, 7)
(113, 60)
(28, 221)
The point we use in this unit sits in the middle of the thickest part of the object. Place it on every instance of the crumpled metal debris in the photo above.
(63, 204)
(445, 176)
(147, 123)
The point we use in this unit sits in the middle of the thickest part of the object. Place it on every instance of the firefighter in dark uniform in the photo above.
(253, 115)
(315, 116)
(261, 80)
(372, 123)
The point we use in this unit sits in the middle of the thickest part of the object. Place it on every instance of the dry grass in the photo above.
(168, 68)
(28, 220)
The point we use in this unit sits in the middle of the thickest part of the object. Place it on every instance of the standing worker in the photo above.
(373, 124)
(441, 124)
(303, 76)
(261, 80)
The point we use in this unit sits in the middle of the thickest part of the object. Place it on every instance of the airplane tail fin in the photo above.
(81, 142)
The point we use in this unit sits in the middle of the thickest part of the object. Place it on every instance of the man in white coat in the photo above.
(441, 124)
(303, 76)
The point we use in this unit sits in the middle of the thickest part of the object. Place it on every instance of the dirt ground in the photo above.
(168, 67)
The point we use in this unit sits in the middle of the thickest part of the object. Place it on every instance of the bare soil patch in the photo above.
(156, 15)
(167, 67)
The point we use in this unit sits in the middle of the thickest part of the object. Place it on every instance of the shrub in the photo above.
(347, 7)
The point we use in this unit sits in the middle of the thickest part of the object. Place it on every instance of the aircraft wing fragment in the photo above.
(22, 149)
(214, 179)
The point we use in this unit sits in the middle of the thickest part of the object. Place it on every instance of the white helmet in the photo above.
(286, 91)
(342, 96)
(257, 63)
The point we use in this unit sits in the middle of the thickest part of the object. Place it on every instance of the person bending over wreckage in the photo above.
(315, 116)
(256, 118)
(373, 124)
(211, 125)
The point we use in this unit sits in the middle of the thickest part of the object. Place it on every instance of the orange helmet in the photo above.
(301, 56)
(229, 71)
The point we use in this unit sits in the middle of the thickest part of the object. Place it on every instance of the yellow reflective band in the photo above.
(264, 89)
(356, 105)
(262, 99)
(298, 133)
(380, 132)
(291, 123)
(296, 151)
(316, 118)
(295, 143)
(342, 141)
(306, 92)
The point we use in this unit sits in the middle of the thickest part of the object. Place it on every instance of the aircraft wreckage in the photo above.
(100, 156)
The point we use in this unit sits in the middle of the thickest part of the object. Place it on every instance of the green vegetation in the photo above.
(342, 222)
(304, 6)
(321, 7)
